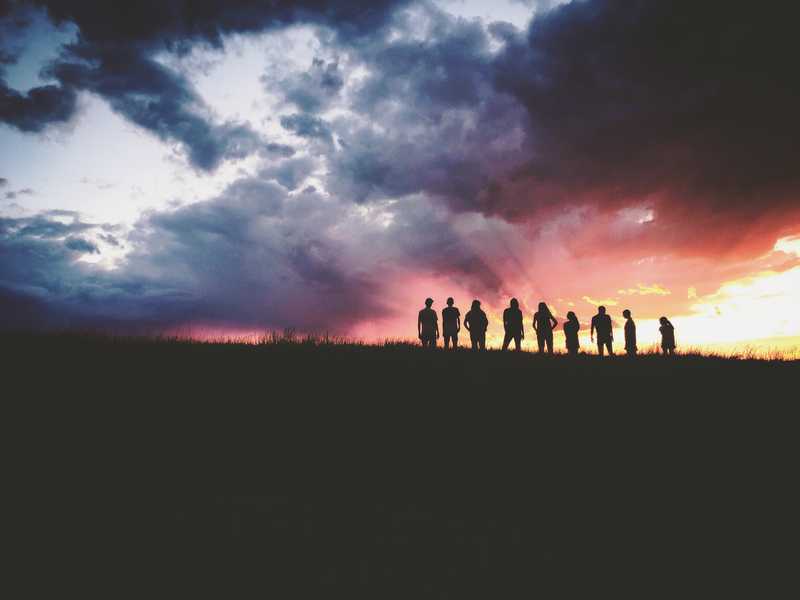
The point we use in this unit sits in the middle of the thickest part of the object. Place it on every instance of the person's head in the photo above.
(663, 320)
(514, 303)
(571, 316)
(428, 302)
(543, 307)
(450, 302)
(601, 310)
(476, 305)
(626, 313)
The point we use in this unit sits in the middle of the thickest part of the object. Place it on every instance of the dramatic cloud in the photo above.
(114, 57)
(254, 256)
(687, 107)
(613, 152)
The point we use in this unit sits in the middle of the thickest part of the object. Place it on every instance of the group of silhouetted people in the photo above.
(544, 323)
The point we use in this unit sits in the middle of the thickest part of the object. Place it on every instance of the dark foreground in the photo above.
(296, 471)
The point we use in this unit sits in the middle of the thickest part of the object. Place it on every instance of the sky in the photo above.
(229, 168)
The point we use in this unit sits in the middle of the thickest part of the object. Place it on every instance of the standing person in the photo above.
(571, 327)
(428, 325)
(667, 336)
(512, 323)
(476, 323)
(602, 323)
(543, 324)
(630, 333)
(451, 324)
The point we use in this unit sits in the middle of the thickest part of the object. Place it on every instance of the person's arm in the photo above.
(555, 323)
(591, 333)
(458, 322)
(436, 324)
(419, 325)
(535, 325)
(466, 322)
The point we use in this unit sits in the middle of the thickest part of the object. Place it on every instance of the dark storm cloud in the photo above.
(37, 108)
(46, 226)
(312, 90)
(308, 126)
(42, 283)
(113, 57)
(427, 116)
(110, 239)
(695, 101)
(156, 99)
(81, 245)
(290, 173)
(254, 256)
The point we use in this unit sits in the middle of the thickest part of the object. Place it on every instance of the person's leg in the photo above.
(455, 340)
(518, 342)
(540, 342)
(506, 341)
(609, 345)
(600, 347)
(482, 341)
(548, 340)
(473, 340)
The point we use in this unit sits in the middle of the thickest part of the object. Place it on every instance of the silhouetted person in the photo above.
(512, 323)
(667, 336)
(428, 325)
(630, 333)
(601, 323)
(543, 324)
(476, 323)
(451, 324)
(571, 327)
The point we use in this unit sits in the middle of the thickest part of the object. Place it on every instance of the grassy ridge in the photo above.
(306, 468)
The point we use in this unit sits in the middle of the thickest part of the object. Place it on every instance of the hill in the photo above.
(324, 469)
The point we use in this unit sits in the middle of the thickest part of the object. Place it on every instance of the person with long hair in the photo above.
(543, 324)
(476, 323)
(667, 336)
(571, 327)
(512, 323)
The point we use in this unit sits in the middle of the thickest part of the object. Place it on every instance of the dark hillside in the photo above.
(322, 470)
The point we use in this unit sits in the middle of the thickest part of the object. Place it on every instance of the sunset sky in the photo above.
(224, 168)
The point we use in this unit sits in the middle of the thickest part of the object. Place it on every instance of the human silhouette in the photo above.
(601, 323)
(667, 336)
(543, 324)
(476, 323)
(571, 327)
(428, 325)
(451, 324)
(630, 333)
(512, 323)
